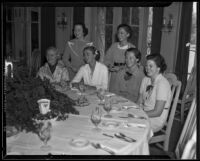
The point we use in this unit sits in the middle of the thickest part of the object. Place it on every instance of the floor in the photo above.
(174, 137)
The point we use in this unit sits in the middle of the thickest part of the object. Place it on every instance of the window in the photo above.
(192, 44)
(130, 16)
(149, 30)
(108, 27)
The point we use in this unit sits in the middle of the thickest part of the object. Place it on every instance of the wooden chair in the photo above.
(187, 134)
(161, 138)
(188, 95)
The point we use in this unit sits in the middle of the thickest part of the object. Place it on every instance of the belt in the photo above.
(119, 64)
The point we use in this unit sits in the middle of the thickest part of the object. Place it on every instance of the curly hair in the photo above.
(85, 29)
(159, 61)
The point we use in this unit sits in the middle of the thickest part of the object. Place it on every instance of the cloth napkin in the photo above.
(131, 124)
(130, 106)
(115, 144)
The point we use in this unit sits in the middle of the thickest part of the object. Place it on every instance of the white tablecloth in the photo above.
(80, 127)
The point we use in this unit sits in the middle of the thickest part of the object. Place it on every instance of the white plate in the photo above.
(110, 124)
(79, 142)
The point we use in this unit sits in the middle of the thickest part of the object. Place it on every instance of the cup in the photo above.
(44, 105)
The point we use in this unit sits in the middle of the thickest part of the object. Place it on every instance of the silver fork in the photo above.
(99, 146)
(139, 117)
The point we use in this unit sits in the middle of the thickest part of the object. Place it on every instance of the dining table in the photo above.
(126, 132)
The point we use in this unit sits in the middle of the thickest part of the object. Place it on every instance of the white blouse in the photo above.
(99, 78)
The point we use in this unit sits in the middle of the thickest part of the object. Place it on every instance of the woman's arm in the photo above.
(108, 59)
(158, 109)
(66, 56)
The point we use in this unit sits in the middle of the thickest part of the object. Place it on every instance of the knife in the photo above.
(123, 138)
(123, 135)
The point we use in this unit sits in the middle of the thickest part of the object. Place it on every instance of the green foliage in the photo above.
(21, 107)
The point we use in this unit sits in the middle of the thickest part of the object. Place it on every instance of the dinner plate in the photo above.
(79, 142)
(110, 124)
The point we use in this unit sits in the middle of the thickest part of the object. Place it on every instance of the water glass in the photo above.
(101, 96)
(44, 134)
(107, 107)
(96, 118)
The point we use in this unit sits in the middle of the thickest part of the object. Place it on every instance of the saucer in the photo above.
(110, 124)
(79, 142)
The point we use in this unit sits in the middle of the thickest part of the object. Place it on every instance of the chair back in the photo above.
(188, 95)
(187, 131)
(166, 130)
(176, 88)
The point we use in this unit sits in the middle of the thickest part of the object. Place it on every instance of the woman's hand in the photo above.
(114, 68)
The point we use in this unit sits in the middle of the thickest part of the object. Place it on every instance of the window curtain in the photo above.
(181, 68)
(47, 30)
(101, 31)
(156, 29)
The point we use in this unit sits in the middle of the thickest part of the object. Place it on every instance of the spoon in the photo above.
(99, 146)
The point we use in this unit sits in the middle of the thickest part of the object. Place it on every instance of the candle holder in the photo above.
(62, 21)
(168, 24)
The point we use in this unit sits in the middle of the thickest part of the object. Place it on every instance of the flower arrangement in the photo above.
(21, 95)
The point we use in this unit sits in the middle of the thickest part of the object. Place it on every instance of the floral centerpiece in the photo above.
(21, 95)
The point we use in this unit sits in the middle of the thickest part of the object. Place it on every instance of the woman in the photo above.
(52, 70)
(73, 57)
(93, 73)
(115, 59)
(155, 92)
(128, 80)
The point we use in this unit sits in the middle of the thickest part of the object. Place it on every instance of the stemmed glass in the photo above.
(81, 88)
(107, 107)
(45, 134)
(96, 118)
(100, 95)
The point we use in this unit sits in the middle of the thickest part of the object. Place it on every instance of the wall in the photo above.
(169, 41)
(63, 35)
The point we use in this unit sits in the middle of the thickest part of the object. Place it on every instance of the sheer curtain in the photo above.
(101, 31)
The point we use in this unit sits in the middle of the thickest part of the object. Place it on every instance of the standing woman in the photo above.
(115, 58)
(73, 53)
(155, 92)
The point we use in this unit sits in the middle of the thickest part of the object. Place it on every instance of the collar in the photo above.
(159, 76)
(123, 47)
(135, 71)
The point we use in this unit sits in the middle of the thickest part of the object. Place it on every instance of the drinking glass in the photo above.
(96, 118)
(107, 107)
(100, 95)
(45, 134)
(81, 88)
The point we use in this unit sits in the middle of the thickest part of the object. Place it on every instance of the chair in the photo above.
(161, 138)
(187, 97)
(187, 139)
(35, 62)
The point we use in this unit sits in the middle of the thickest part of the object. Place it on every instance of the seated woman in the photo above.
(52, 70)
(93, 73)
(128, 80)
(155, 92)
